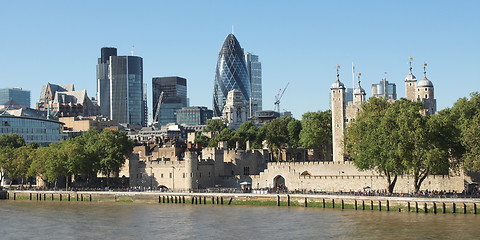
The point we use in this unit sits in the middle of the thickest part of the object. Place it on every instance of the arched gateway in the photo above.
(279, 182)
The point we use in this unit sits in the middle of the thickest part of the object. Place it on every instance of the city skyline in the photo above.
(297, 43)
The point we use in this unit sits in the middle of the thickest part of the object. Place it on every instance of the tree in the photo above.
(317, 131)
(8, 144)
(294, 127)
(470, 140)
(277, 135)
(115, 147)
(371, 140)
(246, 132)
(215, 126)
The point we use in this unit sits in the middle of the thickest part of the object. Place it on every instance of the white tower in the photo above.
(338, 118)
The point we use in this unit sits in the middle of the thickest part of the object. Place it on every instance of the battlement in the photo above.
(312, 163)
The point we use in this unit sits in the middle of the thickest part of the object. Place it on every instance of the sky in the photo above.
(298, 42)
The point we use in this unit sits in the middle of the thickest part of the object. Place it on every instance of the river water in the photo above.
(86, 220)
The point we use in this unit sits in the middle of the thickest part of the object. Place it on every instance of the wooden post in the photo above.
(355, 204)
(200, 200)
(213, 200)
(193, 199)
(363, 205)
(444, 208)
(371, 205)
(52, 196)
(454, 208)
(278, 200)
(163, 199)
(333, 203)
(196, 200)
(425, 207)
(306, 202)
(464, 208)
(90, 197)
(218, 199)
(168, 199)
(229, 202)
(288, 199)
(434, 208)
(204, 200)
(115, 197)
(175, 199)
(183, 198)
(68, 197)
(408, 207)
(30, 196)
(159, 199)
(388, 206)
(379, 206)
(474, 208)
(37, 197)
(323, 200)
(60, 197)
(343, 207)
(221, 200)
(416, 207)
(14, 196)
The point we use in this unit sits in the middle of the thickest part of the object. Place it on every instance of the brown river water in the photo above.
(97, 220)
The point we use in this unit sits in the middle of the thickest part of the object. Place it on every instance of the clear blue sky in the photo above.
(297, 41)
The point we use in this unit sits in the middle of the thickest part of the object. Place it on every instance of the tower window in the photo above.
(426, 96)
(410, 84)
(425, 89)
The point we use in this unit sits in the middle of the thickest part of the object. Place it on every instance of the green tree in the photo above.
(8, 145)
(372, 142)
(294, 127)
(317, 131)
(215, 126)
(277, 135)
(246, 132)
(471, 140)
(115, 148)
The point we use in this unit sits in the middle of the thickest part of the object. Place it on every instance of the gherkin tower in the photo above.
(231, 74)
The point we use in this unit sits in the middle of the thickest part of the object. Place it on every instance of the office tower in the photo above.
(174, 98)
(231, 73)
(384, 89)
(17, 94)
(194, 116)
(103, 80)
(254, 68)
(120, 90)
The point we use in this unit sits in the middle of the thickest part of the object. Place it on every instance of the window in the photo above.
(161, 175)
(246, 170)
(170, 175)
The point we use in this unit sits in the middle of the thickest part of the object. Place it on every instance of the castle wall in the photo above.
(330, 176)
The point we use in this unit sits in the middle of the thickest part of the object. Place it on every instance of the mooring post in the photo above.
(444, 208)
(159, 199)
(30, 196)
(14, 196)
(363, 205)
(323, 201)
(416, 207)
(193, 199)
(306, 202)
(213, 200)
(168, 199)
(60, 197)
(37, 197)
(434, 208)
(371, 205)
(388, 206)
(425, 207)
(454, 208)
(379, 206)
(333, 203)
(175, 199)
(196, 200)
(218, 200)
(356, 204)
(163, 199)
(408, 206)
(343, 205)
(221, 200)
(464, 208)
(115, 197)
(68, 197)
(229, 202)
(90, 197)
(288, 199)
(278, 200)
(474, 208)
(204, 200)
(52, 196)
(81, 195)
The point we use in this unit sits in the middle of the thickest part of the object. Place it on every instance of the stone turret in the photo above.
(338, 118)
(191, 164)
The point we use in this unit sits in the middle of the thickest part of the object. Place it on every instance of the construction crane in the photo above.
(159, 103)
(279, 97)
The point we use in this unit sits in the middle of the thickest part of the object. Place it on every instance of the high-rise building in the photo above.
(20, 96)
(231, 73)
(174, 98)
(194, 116)
(254, 68)
(103, 80)
(384, 89)
(120, 86)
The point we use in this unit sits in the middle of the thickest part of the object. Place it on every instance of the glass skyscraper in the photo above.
(384, 89)
(174, 98)
(17, 94)
(120, 88)
(231, 73)
(255, 70)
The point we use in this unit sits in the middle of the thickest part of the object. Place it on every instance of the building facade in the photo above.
(120, 88)
(194, 116)
(235, 110)
(385, 89)
(174, 98)
(231, 73)
(17, 94)
(36, 130)
(254, 67)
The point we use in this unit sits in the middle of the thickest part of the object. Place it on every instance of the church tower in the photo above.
(338, 118)
(411, 84)
(425, 94)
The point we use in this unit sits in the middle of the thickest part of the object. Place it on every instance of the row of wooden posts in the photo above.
(194, 200)
(60, 197)
(409, 207)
